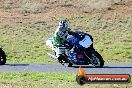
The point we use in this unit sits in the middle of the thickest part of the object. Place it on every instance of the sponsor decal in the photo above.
(83, 78)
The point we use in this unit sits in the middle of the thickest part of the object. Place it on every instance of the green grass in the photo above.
(23, 43)
(26, 42)
(49, 80)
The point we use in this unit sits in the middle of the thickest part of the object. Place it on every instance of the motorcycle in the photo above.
(78, 50)
(2, 57)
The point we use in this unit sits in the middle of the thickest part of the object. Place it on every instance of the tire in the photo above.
(67, 64)
(2, 57)
(99, 59)
(81, 80)
(63, 60)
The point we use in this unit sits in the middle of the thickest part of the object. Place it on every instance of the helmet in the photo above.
(63, 24)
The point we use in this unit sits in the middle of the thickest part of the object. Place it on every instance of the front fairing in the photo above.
(50, 42)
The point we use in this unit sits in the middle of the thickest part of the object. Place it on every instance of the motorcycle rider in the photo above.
(60, 37)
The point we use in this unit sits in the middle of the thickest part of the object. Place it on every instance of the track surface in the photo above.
(56, 67)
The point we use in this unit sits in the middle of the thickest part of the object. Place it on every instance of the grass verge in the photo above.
(26, 42)
(48, 80)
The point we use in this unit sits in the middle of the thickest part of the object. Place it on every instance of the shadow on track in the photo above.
(117, 67)
(74, 66)
(17, 64)
(103, 67)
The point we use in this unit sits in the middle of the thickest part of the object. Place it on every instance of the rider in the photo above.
(60, 37)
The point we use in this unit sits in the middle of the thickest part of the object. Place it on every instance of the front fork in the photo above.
(88, 53)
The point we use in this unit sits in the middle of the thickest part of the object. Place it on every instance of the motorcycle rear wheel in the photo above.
(67, 64)
(63, 60)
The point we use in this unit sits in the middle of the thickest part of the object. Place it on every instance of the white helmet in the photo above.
(63, 24)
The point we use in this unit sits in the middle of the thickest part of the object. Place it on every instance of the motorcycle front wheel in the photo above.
(96, 60)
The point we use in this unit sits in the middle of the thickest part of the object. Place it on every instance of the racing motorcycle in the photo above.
(2, 57)
(78, 50)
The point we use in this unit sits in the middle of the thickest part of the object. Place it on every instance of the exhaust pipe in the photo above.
(52, 56)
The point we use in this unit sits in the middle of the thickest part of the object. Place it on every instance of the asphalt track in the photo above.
(56, 67)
